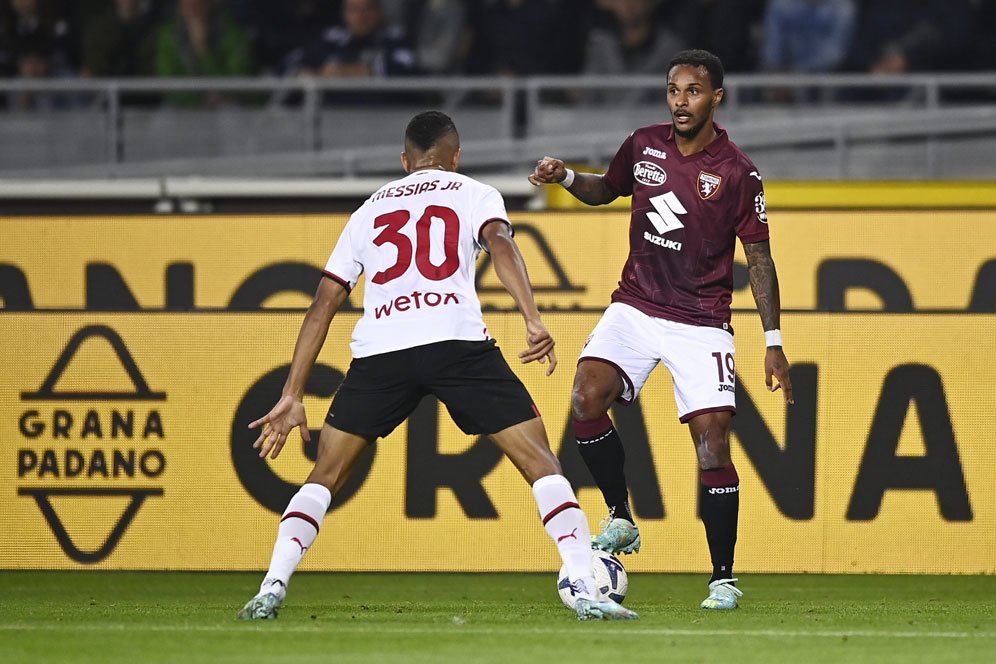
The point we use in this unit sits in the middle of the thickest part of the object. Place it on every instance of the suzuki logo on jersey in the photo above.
(708, 184)
(652, 152)
(667, 207)
(649, 173)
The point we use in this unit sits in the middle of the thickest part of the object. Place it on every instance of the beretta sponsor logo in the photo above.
(649, 173)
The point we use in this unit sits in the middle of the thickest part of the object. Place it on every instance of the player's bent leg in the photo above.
(527, 447)
(338, 453)
(597, 385)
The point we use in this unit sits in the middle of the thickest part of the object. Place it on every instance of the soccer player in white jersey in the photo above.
(417, 240)
(694, 193)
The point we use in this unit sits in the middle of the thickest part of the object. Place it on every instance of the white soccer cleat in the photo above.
(603, 609)
(722, 595)
(267, 601)
(261, 607)
(617, 536)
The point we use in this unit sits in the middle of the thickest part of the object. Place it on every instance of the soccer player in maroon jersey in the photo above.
(694, 193)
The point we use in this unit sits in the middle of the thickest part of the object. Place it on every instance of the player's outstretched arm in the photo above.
(764, 286)
(588, 188)
(511, 270)
(289, 410)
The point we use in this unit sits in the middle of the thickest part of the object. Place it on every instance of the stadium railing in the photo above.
(916, 126)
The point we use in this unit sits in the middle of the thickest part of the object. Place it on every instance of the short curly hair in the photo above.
(699, 58)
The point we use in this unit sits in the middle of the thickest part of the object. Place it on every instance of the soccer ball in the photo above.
(610, 577)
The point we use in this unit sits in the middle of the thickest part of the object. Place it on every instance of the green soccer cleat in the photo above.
(617, 536)
(261, 607)
(722, 595)
(605, 609)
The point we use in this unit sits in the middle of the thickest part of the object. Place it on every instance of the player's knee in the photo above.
(586, 405)
(713, 453)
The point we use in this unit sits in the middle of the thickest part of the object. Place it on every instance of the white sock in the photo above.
(298, 529)
(568, 526)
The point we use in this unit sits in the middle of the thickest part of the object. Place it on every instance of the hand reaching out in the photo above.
(549, 170)
(540, 346)
(278, 423)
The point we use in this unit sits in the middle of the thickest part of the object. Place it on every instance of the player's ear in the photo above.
(404, 162)
(456, 160)
(717, 96)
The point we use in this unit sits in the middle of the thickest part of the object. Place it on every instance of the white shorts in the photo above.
(700, 358)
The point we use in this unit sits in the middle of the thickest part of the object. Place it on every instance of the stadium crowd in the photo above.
(332, 38)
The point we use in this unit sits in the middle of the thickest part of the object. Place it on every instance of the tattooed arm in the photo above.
(764, 286)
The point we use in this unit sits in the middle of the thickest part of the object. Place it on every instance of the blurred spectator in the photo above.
(634, 43)
(520, 38)
(441, 33)
(896, 36)
(202, 39)
(35, 43)
(398, 12)
(807, 36)
(363, 46)
(281, 27)
(33, 27)
(729, 28)
(119, 42)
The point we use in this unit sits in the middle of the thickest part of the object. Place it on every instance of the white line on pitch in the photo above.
(454, 629)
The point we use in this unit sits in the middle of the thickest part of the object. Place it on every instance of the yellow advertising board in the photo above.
(910, 260)
(123, 446)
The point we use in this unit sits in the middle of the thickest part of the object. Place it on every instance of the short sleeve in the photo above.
(491, 206)
(345, 265)
(619, 175)
(751, 214)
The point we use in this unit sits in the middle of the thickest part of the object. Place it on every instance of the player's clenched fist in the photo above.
(549, 170)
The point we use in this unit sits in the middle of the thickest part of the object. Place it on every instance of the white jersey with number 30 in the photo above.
(417, 239)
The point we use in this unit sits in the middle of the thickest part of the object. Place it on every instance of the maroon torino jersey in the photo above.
(687, 212)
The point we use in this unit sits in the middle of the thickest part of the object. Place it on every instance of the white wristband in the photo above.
(773, 338)
(568, 179)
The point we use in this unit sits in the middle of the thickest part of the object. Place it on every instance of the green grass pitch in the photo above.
(108, 617)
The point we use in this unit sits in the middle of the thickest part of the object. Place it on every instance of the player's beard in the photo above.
(691, 132)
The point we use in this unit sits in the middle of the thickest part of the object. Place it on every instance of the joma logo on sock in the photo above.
(725, 489)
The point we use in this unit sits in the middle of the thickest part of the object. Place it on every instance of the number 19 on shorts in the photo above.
(726, 370)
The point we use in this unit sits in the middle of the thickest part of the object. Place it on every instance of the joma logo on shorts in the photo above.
(416, 300)
(726, 388)
(724, 489)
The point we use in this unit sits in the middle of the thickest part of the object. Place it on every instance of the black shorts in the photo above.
(471, 378)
